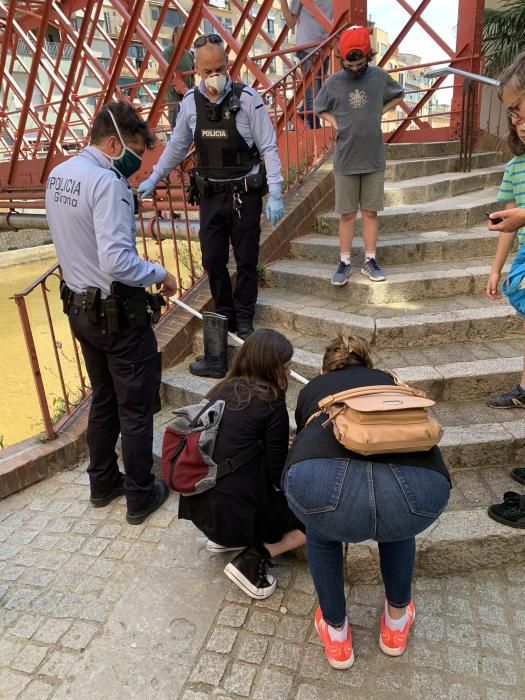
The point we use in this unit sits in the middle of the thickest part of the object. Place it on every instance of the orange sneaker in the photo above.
(339, 654)
(394, 642)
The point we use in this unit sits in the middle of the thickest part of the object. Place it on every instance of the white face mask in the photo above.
(216, 82)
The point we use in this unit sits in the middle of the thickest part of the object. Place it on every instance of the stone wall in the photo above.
(25, 238)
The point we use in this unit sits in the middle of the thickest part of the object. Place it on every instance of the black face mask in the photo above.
(355, 73)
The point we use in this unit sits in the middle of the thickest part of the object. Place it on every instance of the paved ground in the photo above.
(91, 607)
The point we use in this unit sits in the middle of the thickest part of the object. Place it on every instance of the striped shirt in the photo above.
(512, 188)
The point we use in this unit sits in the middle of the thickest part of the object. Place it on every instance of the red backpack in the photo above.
(188, 466)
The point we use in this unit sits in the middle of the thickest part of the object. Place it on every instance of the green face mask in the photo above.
(128, 162)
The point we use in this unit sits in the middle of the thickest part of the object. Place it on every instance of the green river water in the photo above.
(20, 414)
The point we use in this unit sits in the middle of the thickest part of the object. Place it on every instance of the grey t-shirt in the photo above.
(308, 28)
(357, 105)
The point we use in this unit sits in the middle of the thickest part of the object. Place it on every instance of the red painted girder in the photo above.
(66, 95)
(439, 41)
(29, 92)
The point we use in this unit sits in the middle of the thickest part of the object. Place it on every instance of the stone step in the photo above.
(436, 149)
(404, 283)
(465, 211)
(389, 326)
(474, 435)
(432, 187)
(469, 376)
(458, 542)
(404, 169)
(428, 246)
(463, 537)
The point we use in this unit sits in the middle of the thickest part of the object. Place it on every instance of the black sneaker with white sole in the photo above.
(221, 548)
(248, 571)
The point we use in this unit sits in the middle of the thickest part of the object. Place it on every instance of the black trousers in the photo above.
(219, 225)
(124, 371)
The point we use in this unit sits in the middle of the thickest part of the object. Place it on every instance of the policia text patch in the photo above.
(66, 190)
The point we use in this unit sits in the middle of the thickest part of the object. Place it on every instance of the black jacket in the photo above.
(314, 441)
(246, 507)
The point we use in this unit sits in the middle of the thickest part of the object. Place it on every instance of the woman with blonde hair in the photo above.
(342, 496)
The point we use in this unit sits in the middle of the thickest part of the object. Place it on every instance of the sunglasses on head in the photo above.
(207, 39)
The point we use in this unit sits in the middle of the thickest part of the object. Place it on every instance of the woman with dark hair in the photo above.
(246, 509)
(342, 496)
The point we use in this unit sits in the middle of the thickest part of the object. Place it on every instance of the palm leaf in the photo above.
(503, 35)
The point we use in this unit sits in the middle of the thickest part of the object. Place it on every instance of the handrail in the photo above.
(448, 70)
(472, 85)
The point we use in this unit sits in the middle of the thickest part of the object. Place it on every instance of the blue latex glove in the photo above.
(146, 187)
(274, 208)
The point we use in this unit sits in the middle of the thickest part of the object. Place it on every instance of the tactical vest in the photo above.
(222, 153)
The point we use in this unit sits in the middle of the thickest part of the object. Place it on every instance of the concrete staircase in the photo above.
(431, 322)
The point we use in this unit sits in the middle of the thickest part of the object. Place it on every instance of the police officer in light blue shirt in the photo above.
(237, 163)
(91, 213)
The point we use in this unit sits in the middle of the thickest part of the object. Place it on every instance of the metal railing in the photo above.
(38, 137)
(481, 110)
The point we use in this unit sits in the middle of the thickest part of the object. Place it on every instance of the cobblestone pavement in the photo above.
(91, 607)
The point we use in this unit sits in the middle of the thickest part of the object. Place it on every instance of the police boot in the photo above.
(214, 362)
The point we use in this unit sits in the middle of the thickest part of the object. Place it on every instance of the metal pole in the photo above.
(35, 367)
(232, 336)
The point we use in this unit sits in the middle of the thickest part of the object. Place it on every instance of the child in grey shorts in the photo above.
(354, 100)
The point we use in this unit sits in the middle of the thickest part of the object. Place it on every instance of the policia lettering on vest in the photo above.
(91, 214)
(237, 164)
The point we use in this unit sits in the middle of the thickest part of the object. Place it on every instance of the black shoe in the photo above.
(244, 330)
(515, 398)
(248, 571)
(106, 498)
(160, 495)
(518, 475)
(511, 512)
(202, 367)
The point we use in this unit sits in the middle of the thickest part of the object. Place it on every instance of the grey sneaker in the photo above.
(372, 270)
(341, 275)
(515, 398)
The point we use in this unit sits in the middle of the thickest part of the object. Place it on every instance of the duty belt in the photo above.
(81, 301)
(216, 186)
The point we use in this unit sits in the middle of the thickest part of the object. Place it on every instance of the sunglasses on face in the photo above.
(207, 39)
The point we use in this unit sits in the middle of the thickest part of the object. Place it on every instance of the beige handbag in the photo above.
(379, 419)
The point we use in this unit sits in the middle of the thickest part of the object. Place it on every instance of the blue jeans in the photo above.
(341, 500)
(309, 90)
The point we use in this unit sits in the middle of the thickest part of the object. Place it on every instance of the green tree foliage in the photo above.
(503, 35)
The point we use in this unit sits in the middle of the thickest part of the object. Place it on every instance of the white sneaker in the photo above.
(219, 548)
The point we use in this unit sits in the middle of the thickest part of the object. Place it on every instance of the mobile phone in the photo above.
(497, 220)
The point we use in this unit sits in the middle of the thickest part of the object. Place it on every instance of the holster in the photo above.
(112, 315)
(192, 191)
(65, 296)
(93, 305)
(132, 301)
(155, 302)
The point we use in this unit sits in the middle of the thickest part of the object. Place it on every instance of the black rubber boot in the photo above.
(214, 362)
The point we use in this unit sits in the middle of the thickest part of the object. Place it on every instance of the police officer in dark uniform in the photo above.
(91, 214)
(237, 163)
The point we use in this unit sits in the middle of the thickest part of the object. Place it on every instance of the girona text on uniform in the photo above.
(63, 185)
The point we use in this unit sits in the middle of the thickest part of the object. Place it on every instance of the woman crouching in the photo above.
(246, 509)
(341, 496)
